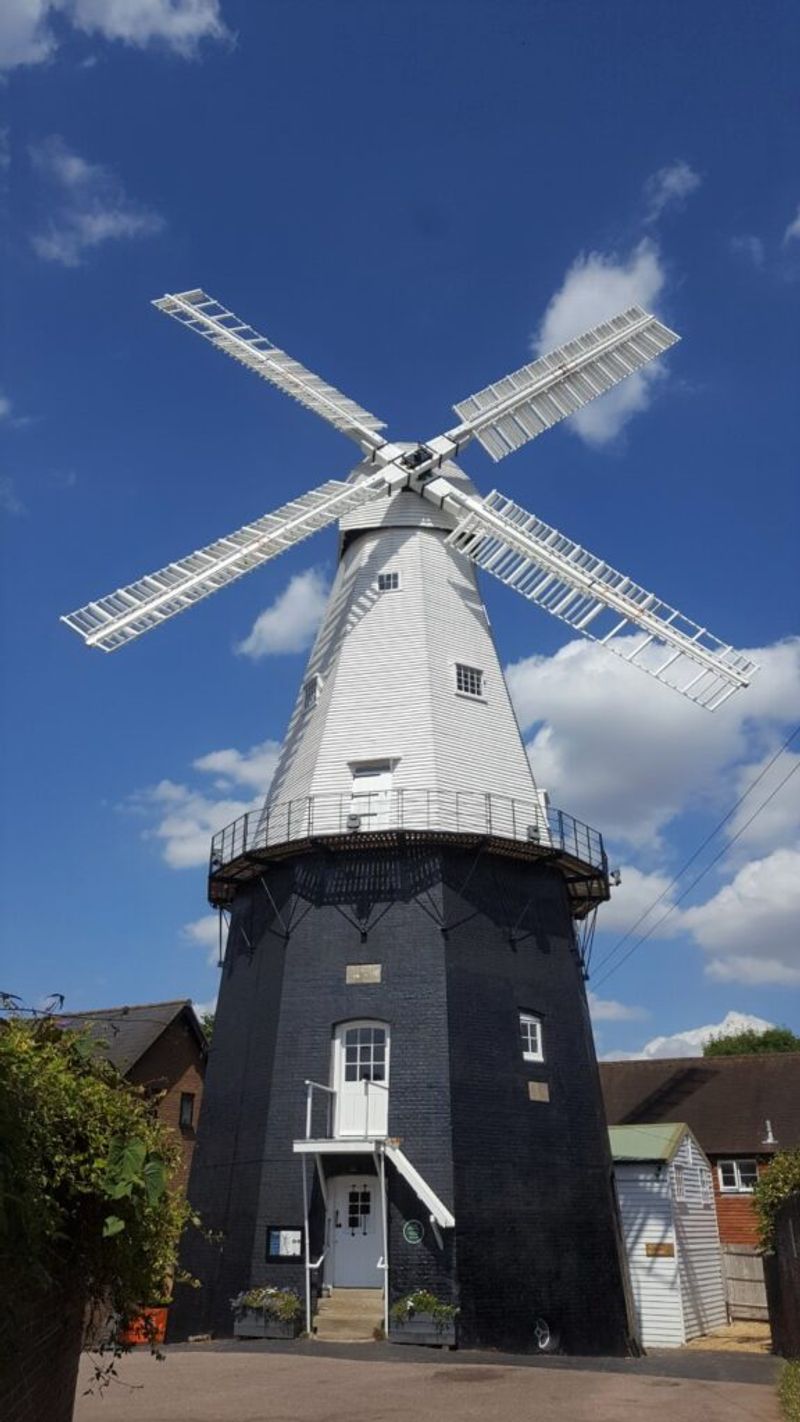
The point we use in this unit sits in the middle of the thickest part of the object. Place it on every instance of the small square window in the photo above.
(311, 693)
(388, 582)
(531, 1034)
(187, 1110)
(469, 680)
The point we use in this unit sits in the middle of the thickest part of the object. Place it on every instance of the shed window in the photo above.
(679, 1182)
(187, 1110)
(531, 1033)
(737, 1176)
(705, 1186)
(469, 680)
(388, 582)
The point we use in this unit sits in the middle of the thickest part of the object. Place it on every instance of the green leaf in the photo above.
(155, 1179)
(112, 1225)
(125, 1161)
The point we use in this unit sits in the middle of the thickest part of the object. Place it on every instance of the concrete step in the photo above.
(349, 1315)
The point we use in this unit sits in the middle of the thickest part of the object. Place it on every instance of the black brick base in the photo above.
(465, 942)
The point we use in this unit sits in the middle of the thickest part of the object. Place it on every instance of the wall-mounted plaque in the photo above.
(660, 1251)
(362, 973)
(413, 1231)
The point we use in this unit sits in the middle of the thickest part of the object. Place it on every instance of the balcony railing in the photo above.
(436, 811)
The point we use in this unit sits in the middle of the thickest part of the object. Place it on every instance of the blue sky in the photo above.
(409, 197)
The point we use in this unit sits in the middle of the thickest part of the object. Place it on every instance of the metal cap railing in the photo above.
(445, 811)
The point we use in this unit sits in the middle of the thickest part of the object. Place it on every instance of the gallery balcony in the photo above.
(523, 829)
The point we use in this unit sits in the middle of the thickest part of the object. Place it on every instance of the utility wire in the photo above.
(699, 876)
(692, 857)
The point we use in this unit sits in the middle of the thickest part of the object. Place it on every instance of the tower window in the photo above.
(531, 1033)
(388, 582)
(311, 692)
(469, 680)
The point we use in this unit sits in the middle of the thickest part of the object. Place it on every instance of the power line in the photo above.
(697, 852)
(699, 876)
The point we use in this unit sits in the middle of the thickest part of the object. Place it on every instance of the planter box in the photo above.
(255, 1323)
(422, 1330)
(150, 1326)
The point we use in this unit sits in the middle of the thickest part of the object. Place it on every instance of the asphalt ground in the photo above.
(313, 1382)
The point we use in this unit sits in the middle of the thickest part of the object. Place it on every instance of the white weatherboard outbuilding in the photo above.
(669, 1224)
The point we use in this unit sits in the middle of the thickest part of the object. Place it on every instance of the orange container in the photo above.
(149, 1326)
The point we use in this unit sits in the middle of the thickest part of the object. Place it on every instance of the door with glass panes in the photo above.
(361, 1080)
(355, 1232)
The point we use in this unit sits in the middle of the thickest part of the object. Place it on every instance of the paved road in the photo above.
(235, 1383)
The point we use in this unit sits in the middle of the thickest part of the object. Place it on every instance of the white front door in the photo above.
(361, 1079)
(355, 1232)
(371, 795)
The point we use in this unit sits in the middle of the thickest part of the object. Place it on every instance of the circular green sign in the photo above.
(413, 1232)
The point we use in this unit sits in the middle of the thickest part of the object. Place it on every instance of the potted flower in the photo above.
(423, 1319)
(267, 1313)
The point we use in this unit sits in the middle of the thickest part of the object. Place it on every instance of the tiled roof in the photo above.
(726, 1101)
(130, 1031)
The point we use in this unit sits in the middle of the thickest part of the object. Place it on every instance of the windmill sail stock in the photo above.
(521, 550)
(215, 323)
(531, 400)
(114, 620)
(582, 590)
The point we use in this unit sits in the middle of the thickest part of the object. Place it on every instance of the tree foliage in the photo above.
(780, 1180)
(773, 1039)
(207, 1024)
(84, 1174)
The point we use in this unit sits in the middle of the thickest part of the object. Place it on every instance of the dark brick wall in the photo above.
(537, 1233)
(525, 1179)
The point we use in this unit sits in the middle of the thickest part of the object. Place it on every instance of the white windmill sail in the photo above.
(112, 621)
(215, 323)
(582, 590)
(522, 405)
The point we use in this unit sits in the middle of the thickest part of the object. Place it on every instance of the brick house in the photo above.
(161, 1047)
(741, 1109)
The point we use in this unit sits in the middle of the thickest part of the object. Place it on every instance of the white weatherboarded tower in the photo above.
(402, 1008)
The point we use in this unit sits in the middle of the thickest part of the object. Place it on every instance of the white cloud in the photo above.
(793, 230)
(608, 1010)
(749, 927)
(691, 1042)
(184, 819)
(254, 768)
(599, 285)
(669, 187)
(201, 1008)
(27, 35)
(88, 205)
(632, 899)
(778, 823)
(624, 753)
(290, 623)
(10, 501)
(204, 932)
(5, 407)
(750, 247)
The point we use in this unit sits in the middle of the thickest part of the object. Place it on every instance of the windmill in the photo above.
(402, 1004)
